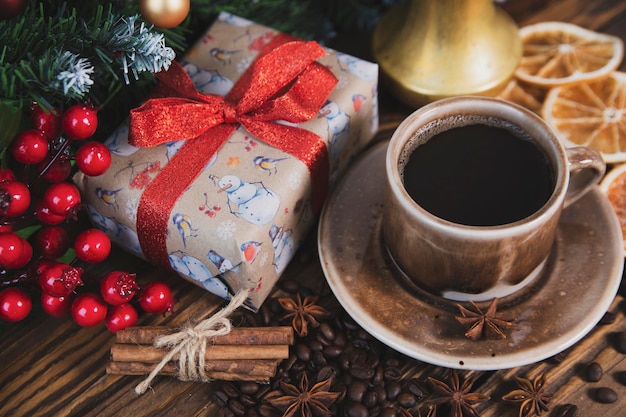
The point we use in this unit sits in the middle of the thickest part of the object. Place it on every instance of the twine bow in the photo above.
(284, 83)
(190, 344)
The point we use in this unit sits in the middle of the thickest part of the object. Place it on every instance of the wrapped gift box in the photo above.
(242, 218)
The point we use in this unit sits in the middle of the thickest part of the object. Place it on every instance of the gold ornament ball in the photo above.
(164, 13)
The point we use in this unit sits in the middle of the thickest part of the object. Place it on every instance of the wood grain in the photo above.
(52, 367)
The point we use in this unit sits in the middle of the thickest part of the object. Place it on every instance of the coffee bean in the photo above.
(406, 399)
(357, 390)
(392, 373)
(220, 398)
(594, 372)
(303, 352)
(370, 399)
(326, 372)
(327, 331)
(362, 335)
(417, 388)
(620, 342)
(354, 409)
(606, 395)
(237, 408)
(298, 367)
(567, 410)
(361, 372)
(247, 400)
(230, 390)
(332, 351)
(263, 389)
(322, 339)
(319, 359)
(379, 376)
(266, 410)
(316, 346)
(393, 390)
(382, 393)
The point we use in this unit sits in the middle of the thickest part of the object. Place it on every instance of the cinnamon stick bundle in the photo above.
(244, 354)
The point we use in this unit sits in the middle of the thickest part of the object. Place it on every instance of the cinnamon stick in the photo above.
(121, 352)
(244, 370)
(245, 354)
(146, 335)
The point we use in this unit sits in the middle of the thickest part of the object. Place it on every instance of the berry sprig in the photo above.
(40, 249)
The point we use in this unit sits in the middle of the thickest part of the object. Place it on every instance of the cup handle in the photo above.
(586, 168)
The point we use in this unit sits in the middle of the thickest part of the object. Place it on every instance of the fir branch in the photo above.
(56, 55)
(141, 49)
(75, 80)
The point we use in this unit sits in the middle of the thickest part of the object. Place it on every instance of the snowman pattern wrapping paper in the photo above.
(240, 222)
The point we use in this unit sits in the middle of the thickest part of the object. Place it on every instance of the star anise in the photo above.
(303, 312)
(459, 396)
(303, 401)
(483, 325)
(531, 394)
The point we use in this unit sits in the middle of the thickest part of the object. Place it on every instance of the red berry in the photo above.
(29, 147)
(15, 304)
(49, 123)
(60, 279)
(156, 297)
(93, 158)
(52, 241)
(59, 171)
(14, 198)
(120, 317)
(80, 121)
(92, 245)
(61, 197)
(88, 310)
(41, 264)
(43, 213)
(118, 287)
(11, 248)
(6, 175)
(24, 258)
(56, 306)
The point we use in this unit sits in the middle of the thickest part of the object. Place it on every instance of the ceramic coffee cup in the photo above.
(474, 190)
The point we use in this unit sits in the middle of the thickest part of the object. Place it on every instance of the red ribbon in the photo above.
(283, 83)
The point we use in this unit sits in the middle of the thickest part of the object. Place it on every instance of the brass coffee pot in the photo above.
(432, 49)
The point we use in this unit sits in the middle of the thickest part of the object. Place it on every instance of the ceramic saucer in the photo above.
(577, 286)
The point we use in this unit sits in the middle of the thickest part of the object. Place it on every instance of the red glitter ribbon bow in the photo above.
(283, 83)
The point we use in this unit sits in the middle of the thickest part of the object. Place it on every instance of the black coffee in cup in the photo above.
(481, 172)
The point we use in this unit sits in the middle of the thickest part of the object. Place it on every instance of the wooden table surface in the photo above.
(53, 367)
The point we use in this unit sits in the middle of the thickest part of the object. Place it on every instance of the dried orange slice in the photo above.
(591, 114)
(614, 186)
(524, 94)
(558, 53)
